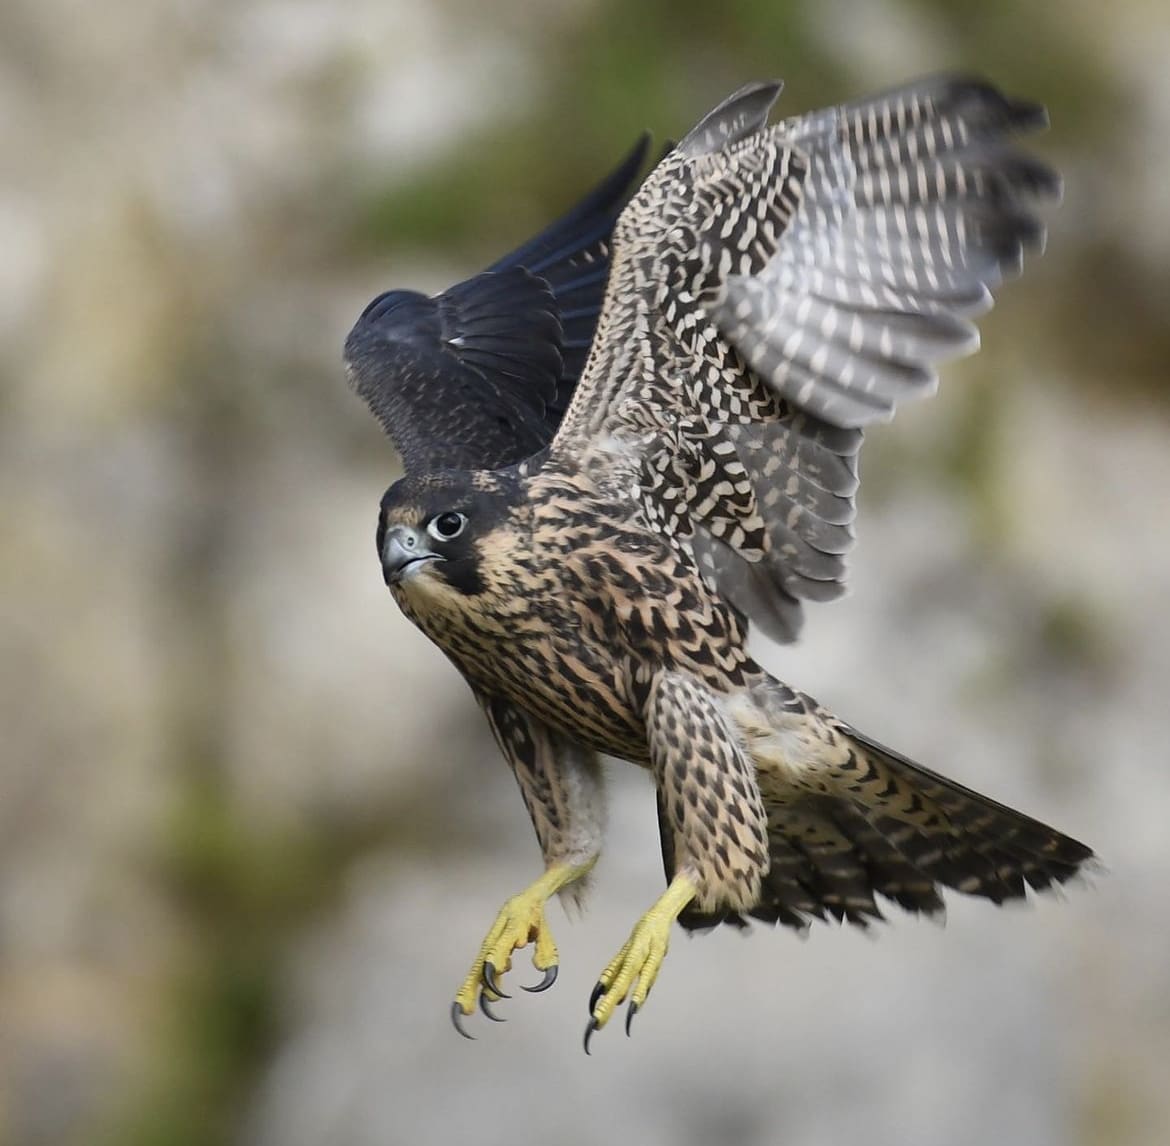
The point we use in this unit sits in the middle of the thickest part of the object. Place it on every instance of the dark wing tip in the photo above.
(975, 95)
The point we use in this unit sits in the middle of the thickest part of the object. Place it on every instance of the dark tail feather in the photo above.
(959, 838)
(884, 826)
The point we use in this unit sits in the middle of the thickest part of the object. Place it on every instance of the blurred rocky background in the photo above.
(251, 826)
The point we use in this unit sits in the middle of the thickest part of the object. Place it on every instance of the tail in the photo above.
(864, 821)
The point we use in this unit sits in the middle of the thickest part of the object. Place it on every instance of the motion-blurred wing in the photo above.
(776, 289)
(477, 377)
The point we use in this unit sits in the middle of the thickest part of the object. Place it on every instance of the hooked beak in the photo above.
(404, 549)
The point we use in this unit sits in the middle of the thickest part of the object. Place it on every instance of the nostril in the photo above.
(409, 541)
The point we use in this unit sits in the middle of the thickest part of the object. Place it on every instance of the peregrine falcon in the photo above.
(635, 437)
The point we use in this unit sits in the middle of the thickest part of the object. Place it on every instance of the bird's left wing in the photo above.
(774, 290)
(478, 377)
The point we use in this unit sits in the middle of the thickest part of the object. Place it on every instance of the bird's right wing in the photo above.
(478, 377)
(776, 289)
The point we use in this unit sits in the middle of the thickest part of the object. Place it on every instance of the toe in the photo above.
(630, 975)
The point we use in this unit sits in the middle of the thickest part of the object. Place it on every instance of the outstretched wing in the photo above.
(776, 289)
(478, 377)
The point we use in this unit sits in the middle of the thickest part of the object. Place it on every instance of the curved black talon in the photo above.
(598, 991)
(483, 1006)
(457, 1020)
(631, 1011)
(593, 1026)
(550, 977)
(489, 978)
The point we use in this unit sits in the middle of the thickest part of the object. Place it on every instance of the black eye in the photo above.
(447, 526)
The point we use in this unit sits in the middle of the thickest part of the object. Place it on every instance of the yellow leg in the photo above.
(640, 959)
(520, 922)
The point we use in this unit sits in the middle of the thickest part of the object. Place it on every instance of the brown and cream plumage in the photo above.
(589, 538)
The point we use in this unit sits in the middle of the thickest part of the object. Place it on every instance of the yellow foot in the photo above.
(520, 922)
(640, 959)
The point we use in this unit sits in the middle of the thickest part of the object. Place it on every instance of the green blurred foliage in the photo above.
(658, 65)
(623, 70)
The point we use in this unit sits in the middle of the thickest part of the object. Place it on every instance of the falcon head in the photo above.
(432, 529)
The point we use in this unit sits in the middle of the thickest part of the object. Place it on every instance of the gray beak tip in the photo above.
(403, 548)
